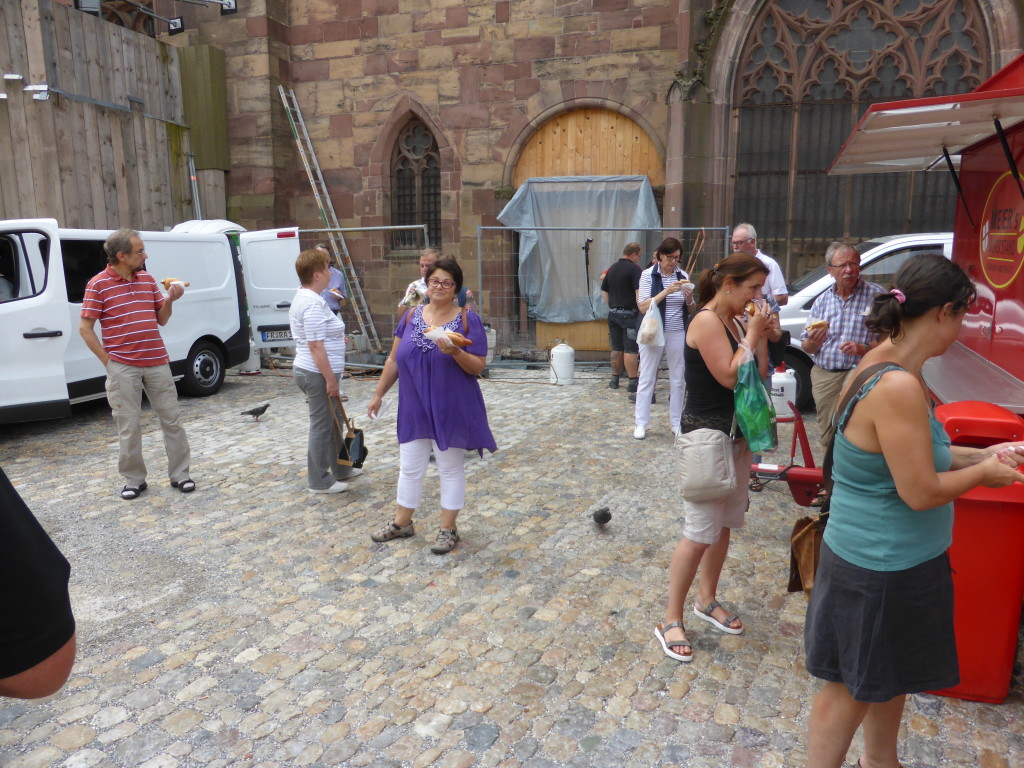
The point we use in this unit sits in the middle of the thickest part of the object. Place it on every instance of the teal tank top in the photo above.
(869, 525)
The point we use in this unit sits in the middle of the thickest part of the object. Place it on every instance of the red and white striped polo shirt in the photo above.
(127, 314)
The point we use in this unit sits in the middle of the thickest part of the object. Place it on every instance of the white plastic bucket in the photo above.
(253, 365)
(563, 364)
(783, 390)
(492, 339)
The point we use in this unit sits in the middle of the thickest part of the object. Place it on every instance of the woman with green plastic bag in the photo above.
(713, 356)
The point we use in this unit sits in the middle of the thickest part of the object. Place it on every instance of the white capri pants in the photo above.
(650, 359)
(414, 457)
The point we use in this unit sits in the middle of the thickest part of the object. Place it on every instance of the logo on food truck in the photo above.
(1002, 233)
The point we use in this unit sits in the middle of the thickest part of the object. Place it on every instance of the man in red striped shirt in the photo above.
(127, 302)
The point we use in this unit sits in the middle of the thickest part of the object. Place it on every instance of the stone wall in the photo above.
(481, 75)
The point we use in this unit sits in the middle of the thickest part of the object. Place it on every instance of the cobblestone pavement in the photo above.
(253, 624)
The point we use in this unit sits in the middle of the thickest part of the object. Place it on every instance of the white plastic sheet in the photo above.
(554, 277)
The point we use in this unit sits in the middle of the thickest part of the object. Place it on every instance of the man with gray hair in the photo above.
(839, 342)
(744, 240)
(127, 302)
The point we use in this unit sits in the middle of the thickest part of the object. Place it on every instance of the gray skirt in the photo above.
(882, 633)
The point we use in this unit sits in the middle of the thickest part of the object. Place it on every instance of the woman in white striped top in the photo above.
(319, 362)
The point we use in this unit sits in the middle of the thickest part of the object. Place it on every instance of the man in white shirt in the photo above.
(744, 240)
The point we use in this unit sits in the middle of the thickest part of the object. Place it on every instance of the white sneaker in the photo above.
(640, 432)
(354, 473)
(338, 487)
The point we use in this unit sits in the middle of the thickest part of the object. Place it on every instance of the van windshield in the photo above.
(819, 272)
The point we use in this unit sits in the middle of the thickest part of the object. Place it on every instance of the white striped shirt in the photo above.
(674, 302)
(312, 320)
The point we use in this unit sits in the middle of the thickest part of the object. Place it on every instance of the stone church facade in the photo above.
(434, 112)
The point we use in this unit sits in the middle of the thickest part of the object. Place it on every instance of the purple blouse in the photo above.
(438, 400)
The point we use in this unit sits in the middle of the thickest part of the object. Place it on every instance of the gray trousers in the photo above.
(125, 384)
(322, 468)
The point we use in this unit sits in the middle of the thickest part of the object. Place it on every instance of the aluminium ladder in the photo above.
(339, 248)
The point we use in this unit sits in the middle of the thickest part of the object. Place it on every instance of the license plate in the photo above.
(277, 335)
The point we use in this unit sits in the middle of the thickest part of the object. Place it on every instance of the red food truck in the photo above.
(978, 137)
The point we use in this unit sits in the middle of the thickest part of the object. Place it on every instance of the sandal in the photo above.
(667, 645)
(185, 486)
(130, 492)
(391, 531)
(723, 626)
(755, 485)
(819, 499)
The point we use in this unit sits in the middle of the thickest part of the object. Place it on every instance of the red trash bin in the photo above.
(987, 557)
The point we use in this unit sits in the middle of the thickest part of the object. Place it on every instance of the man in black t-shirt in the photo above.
(619, 288)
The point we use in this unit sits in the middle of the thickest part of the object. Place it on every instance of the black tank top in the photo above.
(704, 394)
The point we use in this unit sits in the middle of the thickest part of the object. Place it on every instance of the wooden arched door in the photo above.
(590, 142)
(587, 142)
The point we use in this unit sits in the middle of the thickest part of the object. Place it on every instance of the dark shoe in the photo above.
(130, 492)
(391, 531)
(631, 387)
(755, 485)
(614, 382)
(447, 538)
(185, 486)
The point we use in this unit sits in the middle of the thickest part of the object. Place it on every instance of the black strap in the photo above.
(851, 393)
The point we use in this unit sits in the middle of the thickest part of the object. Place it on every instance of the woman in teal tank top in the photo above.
(880, 618)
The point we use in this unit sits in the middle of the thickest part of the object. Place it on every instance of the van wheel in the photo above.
(204, 370)
(802, 368)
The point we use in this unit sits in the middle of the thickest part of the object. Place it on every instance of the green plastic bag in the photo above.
(755, 413)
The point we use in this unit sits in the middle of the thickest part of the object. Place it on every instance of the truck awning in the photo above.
(911, 135)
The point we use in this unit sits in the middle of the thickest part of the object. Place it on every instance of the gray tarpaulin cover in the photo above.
(553, 276)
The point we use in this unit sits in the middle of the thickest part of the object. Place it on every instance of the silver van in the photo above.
(880, 259)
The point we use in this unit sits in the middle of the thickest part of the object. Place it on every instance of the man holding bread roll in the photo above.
(130, 307)
(835, 336)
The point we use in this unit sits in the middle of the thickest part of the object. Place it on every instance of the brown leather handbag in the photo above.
(805, 539)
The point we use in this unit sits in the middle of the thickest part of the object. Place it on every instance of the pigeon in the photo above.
(602, 516)
(257, 412)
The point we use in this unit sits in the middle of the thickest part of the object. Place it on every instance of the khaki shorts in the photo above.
(704, 520)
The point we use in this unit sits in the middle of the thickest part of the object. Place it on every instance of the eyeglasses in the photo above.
(435, 283)
(852, 265)
(741, 242)
(670, 256)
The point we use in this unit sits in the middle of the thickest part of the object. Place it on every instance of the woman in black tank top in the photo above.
(713, 357)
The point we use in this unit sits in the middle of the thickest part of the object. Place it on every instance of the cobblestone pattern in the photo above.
(253, 624)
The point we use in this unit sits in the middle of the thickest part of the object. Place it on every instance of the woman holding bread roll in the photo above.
(880, 618)
(714, 351)
(667, 289)
(440, 406)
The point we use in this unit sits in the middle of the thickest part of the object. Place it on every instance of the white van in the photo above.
(880, 260)
(47, 366)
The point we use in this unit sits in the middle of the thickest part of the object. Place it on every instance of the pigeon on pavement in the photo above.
(257, 412)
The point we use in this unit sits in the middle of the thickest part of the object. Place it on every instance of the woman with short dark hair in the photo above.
(438, 352)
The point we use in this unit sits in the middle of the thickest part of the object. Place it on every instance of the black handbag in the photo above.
(352, 451)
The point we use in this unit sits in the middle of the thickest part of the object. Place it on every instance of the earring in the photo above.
(728, 291)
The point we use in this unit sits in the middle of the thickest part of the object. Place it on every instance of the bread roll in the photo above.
(455, 338)
(166, 282)
(816, 324)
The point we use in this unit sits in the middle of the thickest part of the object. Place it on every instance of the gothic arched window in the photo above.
(416, 185)
(807, 72)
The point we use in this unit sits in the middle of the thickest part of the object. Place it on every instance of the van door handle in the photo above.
(42, 334)
(284, 304)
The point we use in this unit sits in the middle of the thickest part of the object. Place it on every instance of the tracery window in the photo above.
(416, 185)
(808, 70)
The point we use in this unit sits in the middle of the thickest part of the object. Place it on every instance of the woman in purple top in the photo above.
(440, 408)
